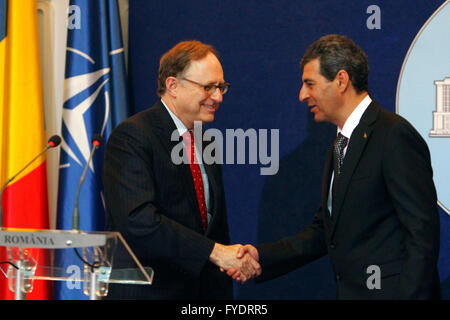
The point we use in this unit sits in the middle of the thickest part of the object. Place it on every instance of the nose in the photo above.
(303, 94)
(217, 95)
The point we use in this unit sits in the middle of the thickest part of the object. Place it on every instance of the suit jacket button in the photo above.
(332, 246)
(338, 277)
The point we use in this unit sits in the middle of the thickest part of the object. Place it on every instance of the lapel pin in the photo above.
(365, 135)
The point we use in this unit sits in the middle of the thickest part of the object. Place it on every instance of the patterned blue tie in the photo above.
(338, 158)
(338, 153)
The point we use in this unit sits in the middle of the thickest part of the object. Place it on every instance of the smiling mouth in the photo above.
(211, 108)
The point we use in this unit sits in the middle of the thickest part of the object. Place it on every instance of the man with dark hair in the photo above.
(378, 219)
(173, 215)
(337, 52)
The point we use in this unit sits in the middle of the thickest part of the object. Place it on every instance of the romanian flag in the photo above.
(22, 134)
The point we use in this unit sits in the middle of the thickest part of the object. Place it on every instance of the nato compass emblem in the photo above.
(81, 111)
(423, 95)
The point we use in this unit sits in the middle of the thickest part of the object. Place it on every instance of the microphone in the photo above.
(53, 142)
(96, 142)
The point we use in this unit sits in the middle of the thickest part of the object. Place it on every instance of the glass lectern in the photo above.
(87, 259)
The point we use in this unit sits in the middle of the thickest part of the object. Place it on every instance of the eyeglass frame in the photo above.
(209, 87)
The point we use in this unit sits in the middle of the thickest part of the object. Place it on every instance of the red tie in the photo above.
(188, 138)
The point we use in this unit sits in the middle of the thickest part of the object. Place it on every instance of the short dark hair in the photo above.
(336, 52)
(177, 60)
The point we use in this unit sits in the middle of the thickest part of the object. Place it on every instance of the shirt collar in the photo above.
(354, 118)
(180, 125)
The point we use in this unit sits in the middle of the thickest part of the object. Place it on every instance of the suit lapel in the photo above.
(212, 172)
(358, 141)
(326, 179)
(213, 190)
(165, 128)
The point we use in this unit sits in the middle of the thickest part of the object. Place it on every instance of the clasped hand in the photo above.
(240, 262)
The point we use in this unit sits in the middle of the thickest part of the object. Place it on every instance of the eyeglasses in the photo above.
(211, 88)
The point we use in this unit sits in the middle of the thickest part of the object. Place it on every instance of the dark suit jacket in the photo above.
(152, 203)
(385, 214)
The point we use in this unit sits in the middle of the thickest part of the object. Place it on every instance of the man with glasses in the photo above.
(174, 216)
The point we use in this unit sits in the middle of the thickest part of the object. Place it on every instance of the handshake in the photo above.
(240, 262)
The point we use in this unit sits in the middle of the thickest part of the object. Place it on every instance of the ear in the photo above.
(343, 80)
(172, 86)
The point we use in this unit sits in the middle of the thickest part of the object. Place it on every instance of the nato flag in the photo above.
(95, 101)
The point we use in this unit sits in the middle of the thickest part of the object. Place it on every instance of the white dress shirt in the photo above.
(350, 124)
(181, 130)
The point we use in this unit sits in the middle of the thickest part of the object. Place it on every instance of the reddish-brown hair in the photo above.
(175, 61)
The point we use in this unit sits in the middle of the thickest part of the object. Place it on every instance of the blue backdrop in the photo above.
(260, 45)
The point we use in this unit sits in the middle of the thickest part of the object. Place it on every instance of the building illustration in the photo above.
(441, 117)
